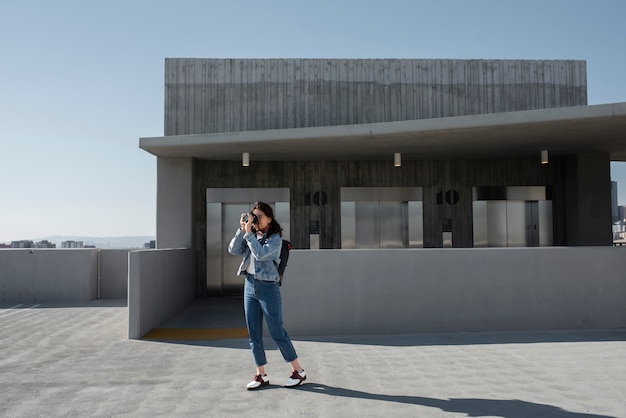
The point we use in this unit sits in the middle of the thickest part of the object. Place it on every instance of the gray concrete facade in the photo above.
(441, 115)
(266, 94)
(319, 125)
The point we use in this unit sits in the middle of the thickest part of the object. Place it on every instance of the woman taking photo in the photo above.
(259, 241)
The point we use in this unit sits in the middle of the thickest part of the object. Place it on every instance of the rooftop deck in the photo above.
(76, 360)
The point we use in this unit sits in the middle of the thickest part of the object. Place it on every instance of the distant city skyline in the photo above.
(83, 81)
(98, 242)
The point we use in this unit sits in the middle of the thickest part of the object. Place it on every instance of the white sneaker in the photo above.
(295, 379)
(258, 381)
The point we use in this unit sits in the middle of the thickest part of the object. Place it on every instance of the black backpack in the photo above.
(284, 256)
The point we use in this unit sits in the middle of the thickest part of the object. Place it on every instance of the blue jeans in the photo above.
(262, 300)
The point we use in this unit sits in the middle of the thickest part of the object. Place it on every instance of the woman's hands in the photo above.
(246, 225)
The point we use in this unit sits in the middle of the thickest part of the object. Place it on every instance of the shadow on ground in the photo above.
(509, 408)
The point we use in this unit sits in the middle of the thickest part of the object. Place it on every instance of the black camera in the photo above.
(255, 220)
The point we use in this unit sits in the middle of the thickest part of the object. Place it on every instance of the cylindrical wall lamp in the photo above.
(544, 156)
(397, 159)
(245, 159)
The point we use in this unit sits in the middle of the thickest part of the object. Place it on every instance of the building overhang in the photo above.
(561, 131)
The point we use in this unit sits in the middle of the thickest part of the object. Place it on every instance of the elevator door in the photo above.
(529, 223)
(231, 212)
(512, 217)
(381, 217)
(381, 225)
(224, 207)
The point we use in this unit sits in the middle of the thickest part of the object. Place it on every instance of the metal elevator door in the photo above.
(381, 217)
(512, 217)
(231, 283)
(381, 225)
(224, 208)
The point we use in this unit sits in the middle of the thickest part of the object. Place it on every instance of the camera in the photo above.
(255, 220)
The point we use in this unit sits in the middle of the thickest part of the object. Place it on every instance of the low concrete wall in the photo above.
(330, 292)
(160, 284)
(62, 275)
(48, 275)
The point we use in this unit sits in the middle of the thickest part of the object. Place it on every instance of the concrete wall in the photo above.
(447, 290)
(174, 197)
(230, 95)
(48, 275)
(114, 274)
(62, 275)
(160, 284)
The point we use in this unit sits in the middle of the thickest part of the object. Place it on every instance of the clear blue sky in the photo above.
(82, 81)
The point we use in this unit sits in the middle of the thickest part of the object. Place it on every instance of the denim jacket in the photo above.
(266, 253)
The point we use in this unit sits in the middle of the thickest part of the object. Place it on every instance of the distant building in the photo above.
(72, 244)
(614, 214)
(22, 244)
(5, 245)
(45, 244)
(151, 244)
(619, 226)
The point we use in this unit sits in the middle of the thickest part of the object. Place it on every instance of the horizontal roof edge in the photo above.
(401, 134)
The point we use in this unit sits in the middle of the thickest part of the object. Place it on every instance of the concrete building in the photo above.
(619, 227)
(385, 158)
(72, 244)
(614, 205)
(45, 244)
(22, 244)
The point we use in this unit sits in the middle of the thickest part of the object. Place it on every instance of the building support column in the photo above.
(588, 199)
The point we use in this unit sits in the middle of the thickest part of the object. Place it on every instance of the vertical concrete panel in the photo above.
(588, 199)
(174, 202)
(595, 199)
(161, 283)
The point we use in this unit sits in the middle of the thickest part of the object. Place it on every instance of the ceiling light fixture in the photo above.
(397, 159)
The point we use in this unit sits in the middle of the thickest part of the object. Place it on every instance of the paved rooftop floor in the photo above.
(77, 361)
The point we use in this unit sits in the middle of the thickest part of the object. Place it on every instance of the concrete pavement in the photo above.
(76, 361)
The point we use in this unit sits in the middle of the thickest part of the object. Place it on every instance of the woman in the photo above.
(259, 240)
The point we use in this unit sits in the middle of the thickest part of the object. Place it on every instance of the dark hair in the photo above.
(274, 227)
